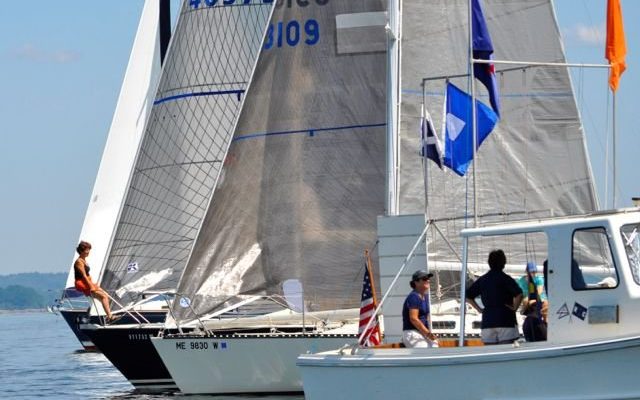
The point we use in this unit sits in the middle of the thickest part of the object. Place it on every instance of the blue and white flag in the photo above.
(458, 145)
(483, 50)
(431, 146)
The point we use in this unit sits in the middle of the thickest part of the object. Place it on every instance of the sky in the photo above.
(62, 66)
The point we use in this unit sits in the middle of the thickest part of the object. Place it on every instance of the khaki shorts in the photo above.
(414, 338)
(499, 335)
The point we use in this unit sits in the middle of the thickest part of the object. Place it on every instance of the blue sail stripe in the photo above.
(310, 131)
(237, 92)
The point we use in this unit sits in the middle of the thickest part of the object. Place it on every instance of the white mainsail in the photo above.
(135, 100)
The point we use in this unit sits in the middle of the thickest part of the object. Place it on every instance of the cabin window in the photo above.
(592, 265)
(443, 324)
(631, 239)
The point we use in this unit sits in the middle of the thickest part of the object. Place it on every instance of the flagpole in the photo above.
(425, 163)
(473, 115)
(373, 286)
(615, 53)
(392, 99)
(425, 171)
(614, 150)
(607, 149)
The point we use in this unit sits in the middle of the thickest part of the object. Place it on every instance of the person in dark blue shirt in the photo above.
(501, 296)
(416, 316)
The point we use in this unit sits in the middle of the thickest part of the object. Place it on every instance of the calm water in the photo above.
(40, 358)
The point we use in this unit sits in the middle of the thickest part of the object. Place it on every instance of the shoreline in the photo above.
(23, 311)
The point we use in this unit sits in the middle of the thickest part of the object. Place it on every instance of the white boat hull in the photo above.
(248, 364)
(596, 370)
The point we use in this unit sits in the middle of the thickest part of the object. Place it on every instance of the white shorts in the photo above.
(499, 335)
(413, 338)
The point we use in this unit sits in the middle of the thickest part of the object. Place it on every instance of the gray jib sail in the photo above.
(534, 163)
(207, 69)
(303, 181)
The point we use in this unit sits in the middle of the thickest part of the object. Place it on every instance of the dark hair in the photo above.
(497, 260)
(82, 246)
(412, 284)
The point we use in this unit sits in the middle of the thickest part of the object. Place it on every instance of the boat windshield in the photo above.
(631, 240)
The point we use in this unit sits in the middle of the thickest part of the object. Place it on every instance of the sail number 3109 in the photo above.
(291, 33)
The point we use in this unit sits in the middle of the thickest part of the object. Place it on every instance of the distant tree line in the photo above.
(30, 290)
(16, 297)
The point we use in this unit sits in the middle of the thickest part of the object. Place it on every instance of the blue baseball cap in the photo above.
(531, 267)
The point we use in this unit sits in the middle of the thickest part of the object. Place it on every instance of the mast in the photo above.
(473, 114)
(393, 105)
(463, 270)
(164, 22)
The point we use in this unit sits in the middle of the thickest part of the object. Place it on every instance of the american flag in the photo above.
(367, 308)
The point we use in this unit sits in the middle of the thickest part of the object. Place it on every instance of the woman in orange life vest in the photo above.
(83, 282)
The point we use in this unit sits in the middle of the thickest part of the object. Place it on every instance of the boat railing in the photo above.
(269, 311)
(129, 310)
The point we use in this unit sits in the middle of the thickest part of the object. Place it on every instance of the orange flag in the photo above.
(616, 49)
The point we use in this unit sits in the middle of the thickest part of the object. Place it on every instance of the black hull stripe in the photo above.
(152, 381)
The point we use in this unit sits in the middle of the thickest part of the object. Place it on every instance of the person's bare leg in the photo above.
(104, 299)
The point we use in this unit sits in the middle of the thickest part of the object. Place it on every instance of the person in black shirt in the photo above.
(501, 296)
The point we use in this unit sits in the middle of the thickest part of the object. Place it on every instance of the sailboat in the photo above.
(134, 103)
(277, 266)
(593, 333)
(195, 108)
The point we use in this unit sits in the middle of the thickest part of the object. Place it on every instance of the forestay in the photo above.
(303, 181)
(199, 97)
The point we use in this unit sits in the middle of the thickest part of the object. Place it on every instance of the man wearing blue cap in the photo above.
(416, 316)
